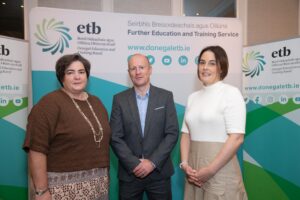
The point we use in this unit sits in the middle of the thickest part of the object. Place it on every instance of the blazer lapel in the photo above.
(134, 110)
(150, 109)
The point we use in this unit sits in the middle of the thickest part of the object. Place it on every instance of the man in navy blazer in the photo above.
(144, 132)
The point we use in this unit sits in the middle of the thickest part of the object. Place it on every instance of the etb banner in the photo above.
(172, 44)
(13, 117)
(107, 40)
(271, 87)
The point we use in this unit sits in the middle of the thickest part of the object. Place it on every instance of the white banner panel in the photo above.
(272, 71)
(13, 117)
(172, 45)
(107, 39)
(272, 92)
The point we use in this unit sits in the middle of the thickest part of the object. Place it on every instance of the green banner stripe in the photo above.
(259, 117)
(284, 108)
(260, 185)
(292, 190)
(260, 179)
(11, 108)
(13, 193)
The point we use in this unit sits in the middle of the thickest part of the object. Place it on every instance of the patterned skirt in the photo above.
(226, 184)
(84, 185)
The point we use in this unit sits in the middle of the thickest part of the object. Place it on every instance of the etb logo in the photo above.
(281, 52)
(90, 28)
(4, 51)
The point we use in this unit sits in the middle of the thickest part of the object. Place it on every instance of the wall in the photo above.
(272, 20)
(263, 20)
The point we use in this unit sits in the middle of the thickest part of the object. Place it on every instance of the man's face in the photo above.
(139, 70)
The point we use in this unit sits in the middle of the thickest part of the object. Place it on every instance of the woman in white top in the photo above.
(212, 132)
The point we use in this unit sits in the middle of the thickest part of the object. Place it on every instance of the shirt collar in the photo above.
(140, 97)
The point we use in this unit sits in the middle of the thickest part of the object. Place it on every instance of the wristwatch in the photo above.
(40, 192)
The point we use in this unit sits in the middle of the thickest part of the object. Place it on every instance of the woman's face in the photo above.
(208, 69)
(75, 79)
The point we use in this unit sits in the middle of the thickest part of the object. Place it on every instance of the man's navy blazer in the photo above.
(160, 132)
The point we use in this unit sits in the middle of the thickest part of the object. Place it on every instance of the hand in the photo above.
(203, 175)
(198, 183)
(46, 196)
(190, 173)
(143, 169)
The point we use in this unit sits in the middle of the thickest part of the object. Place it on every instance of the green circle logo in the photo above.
(52, 36)
(253, 64)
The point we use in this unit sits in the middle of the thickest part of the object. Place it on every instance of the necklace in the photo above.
(98, 136)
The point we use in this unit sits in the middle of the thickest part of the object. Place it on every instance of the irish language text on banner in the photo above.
(107, 40)
(13, 115)
(272, 92)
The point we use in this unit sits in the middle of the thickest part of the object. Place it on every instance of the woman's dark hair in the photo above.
(221, 59)
(65, 61)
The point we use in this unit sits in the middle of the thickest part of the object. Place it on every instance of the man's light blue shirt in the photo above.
(142, 104)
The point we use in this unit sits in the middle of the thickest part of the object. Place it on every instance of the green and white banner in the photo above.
(172, 45)
(271, 87)
(13, 116)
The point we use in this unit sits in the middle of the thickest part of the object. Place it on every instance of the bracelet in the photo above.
(182, 163)
(41, 192)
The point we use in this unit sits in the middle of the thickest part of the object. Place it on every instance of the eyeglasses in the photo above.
(135, 68)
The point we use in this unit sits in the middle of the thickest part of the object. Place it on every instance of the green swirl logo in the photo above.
(53, 36)
(253, 64)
